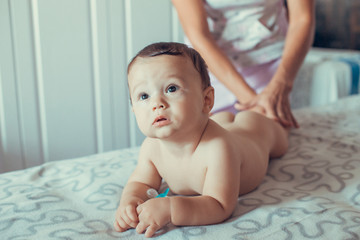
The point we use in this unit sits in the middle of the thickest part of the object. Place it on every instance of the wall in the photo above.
(337, 24)
(63, 90)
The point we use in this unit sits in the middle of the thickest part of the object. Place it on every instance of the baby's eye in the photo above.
(144, 96)
(172, 88)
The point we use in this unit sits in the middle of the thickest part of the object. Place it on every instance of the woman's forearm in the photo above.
(298, 41)
(223, 69)
(193, 19)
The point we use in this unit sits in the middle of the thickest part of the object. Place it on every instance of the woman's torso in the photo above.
(250, 32)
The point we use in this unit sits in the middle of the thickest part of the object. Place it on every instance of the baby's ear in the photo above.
(208, 94)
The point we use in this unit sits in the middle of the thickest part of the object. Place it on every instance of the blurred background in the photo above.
(63, 89)
(337, 24)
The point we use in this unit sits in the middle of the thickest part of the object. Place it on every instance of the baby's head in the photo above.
(169, 89)
(175, 49)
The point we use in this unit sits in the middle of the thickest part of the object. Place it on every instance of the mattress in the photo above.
(312, 192)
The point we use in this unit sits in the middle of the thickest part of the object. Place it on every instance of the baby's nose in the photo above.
(158, 105)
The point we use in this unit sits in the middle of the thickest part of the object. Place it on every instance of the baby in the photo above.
(207, 162)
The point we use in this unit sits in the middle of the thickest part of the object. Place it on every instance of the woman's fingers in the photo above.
(275, 107)
(270, 109)
(284, 116)
(285, 113)
(244, 106)
(293, 120)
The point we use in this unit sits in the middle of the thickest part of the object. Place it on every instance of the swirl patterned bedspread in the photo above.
(313, 192)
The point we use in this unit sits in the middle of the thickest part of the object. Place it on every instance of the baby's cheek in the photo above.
(143, 123)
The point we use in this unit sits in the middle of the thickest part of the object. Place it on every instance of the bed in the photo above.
(313, 192)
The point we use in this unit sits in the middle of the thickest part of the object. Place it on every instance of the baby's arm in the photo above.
(217, 202)
(220, 191)
(145, 176)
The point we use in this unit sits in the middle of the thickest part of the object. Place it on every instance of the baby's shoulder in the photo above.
(149, 147)
(150, 142)
(217, 136)
(217, 144)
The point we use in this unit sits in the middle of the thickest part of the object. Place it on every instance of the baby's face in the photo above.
(166, 94)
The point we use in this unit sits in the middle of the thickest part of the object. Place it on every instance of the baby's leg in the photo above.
(222, 118)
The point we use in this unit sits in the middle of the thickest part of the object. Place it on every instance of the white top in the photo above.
(250, 32)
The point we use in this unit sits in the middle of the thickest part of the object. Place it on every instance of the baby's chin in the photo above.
(162, 135)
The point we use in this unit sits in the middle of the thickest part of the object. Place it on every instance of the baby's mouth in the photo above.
(160, 120)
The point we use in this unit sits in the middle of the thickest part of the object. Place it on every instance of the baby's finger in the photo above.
(131, 213)
(139, 209)
(151, 230)
(117, 227)
(141, 227)
(120, 226)
(126, 218)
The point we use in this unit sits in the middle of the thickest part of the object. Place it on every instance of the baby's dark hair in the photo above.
(176, 49)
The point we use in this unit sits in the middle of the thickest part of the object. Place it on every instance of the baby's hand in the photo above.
(126, 216)
(153, 215)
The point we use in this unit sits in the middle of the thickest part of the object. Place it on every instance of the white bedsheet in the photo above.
(313, 192)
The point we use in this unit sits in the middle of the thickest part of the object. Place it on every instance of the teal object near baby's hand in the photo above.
(164, 194)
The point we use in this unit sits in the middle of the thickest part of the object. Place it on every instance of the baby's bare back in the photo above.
(246, 143)
(257, 140)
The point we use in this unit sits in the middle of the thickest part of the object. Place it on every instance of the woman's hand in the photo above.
(273, 102)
